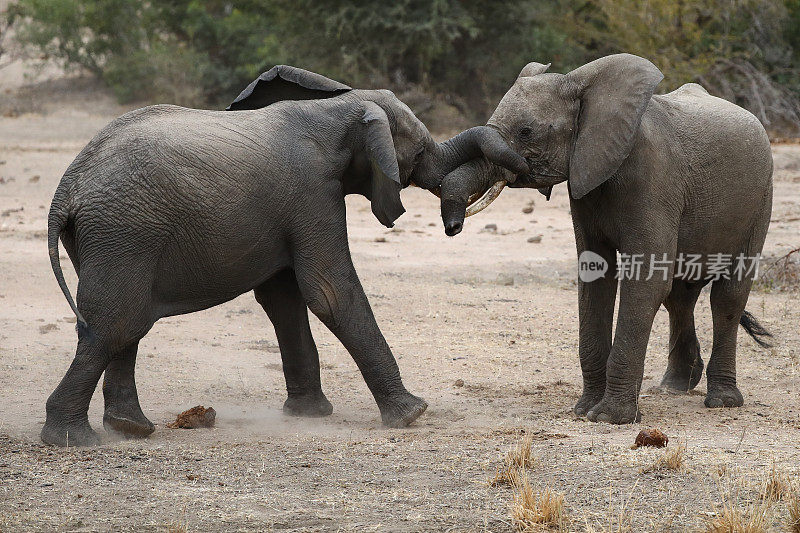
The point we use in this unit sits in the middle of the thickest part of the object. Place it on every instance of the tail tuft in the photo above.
(755, 330)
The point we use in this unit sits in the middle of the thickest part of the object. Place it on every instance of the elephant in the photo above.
(170, 210)
(663, 177)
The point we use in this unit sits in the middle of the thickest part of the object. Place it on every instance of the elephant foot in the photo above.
(69, 434)
(131, 425)
(729, 396)
(683, 379)
(589, 398)
(310, 405)
(400, 410)
(614, 412)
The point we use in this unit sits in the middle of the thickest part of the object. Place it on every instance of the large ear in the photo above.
(614, 92)
(283, 82)
(379, 147)
(532, 69)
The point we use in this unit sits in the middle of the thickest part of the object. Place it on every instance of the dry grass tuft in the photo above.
(734, 519)
(754, 517)
(532, 510)
(776, 485)
(794, 512)
(672, 459)
(520, 456)
(517, 460)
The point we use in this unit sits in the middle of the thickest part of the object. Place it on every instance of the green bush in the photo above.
(463, 52)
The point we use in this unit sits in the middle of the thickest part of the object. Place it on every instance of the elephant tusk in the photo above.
(487, 198)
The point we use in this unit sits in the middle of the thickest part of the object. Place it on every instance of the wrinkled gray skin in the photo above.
(171, 210)
(682, 173)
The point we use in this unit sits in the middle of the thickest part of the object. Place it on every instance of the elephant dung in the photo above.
(196, 417)
(651, 437)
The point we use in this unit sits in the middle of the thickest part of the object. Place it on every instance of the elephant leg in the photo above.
(595, 320)
(639, 301)
(123, 413)
(728, 300)
(67, 422)
(684, 366)
(281, 299)
(117, 311)
(333, 292)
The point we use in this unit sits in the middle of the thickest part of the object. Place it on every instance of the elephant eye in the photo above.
(525, 132)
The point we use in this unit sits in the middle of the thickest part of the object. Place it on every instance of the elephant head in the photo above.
(577, 127)
(396, 149)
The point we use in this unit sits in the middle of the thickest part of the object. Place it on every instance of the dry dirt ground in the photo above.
(483, 326)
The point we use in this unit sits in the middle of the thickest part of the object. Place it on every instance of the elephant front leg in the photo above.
(281, 299)
(639, 301)
(596, 315)
(123, 413)
(334, 294)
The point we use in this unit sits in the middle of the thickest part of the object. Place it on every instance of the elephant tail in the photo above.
(56, 222)
(755, 329)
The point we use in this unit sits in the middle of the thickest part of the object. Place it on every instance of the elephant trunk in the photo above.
(463, 186)
(474, 143)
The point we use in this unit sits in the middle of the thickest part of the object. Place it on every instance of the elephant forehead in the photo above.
(538, 98)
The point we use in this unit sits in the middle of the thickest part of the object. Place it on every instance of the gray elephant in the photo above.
(171, 210)
(661, 177)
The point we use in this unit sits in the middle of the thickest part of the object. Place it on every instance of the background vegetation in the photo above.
(459, 55)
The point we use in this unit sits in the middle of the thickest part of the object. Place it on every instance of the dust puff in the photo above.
(196, 417)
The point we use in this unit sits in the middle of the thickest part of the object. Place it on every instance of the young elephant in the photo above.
(661, 178)
(171, 210)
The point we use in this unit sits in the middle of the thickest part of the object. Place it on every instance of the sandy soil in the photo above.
(483, 326)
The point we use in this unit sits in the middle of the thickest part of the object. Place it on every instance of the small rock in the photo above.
(196, 417)
(459, 383)
(651, 437)
(34, 179)
(535, 239)
(380, 239)
(528, 209)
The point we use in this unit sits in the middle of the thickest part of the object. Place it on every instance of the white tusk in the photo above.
(487, 198)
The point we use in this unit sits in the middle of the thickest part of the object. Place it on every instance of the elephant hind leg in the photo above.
(282, 301)
(684, 366)
(728, 300)
(118, 313)
(123, 414)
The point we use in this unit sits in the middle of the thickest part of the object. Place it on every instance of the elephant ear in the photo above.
(614, 92)
(379, 148)
(283, 82)
(532, 69)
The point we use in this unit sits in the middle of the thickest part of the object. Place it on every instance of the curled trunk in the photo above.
(472, 144)
(463, 186)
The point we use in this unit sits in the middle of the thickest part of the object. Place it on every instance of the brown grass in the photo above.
(793, 522)
(516, 460)
(734, 519)
(531, 510)
(672, 459)
(776, 485)
(755, 517)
